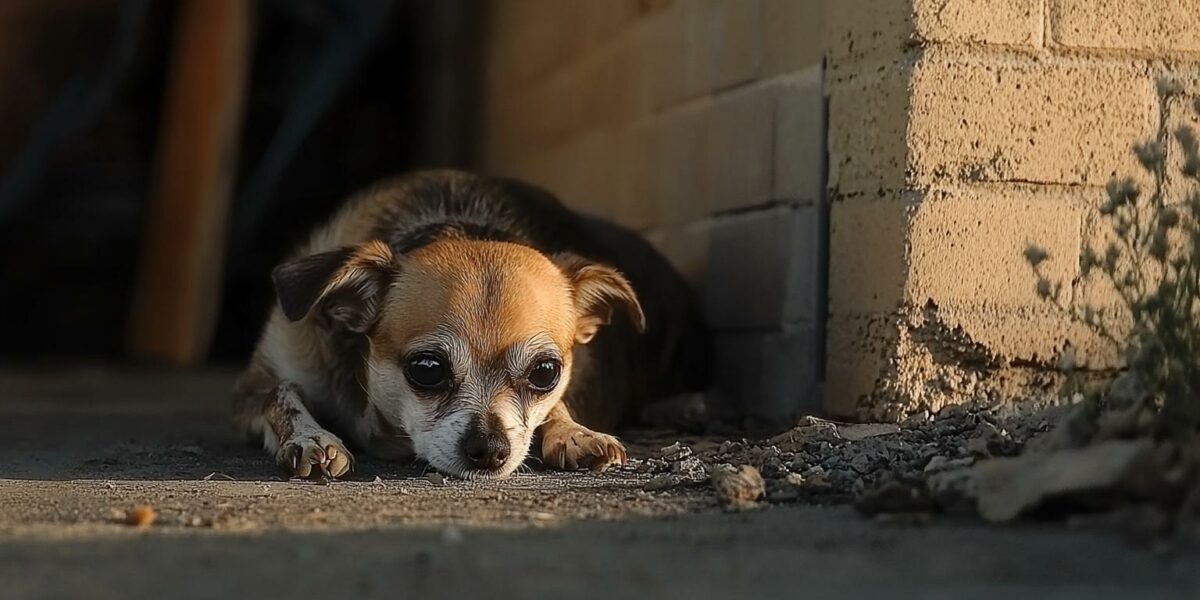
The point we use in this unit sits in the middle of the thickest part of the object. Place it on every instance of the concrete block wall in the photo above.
(960, 131)
(701, 124)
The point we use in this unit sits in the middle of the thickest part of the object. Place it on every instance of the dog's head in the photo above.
(470, 342)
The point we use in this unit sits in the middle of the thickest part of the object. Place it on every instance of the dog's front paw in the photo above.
(319, 454)
(571, 447)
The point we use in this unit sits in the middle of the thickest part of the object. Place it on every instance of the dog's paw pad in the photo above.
(574, 448)
(316, 455)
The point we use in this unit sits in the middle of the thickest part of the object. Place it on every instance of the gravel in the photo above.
(880, 467)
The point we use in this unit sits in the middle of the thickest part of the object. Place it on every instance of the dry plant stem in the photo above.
(1157, 281)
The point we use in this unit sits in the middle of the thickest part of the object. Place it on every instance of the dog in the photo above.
(450, 317)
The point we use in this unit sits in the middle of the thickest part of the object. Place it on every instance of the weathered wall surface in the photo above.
(699, 123)
(958, 133)
(961, 132)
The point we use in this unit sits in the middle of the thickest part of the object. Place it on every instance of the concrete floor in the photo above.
(83, 445)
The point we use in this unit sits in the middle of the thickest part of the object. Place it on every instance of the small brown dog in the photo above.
(449, 317)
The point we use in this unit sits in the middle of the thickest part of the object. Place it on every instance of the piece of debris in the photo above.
(662, 482)
(773, 468)
(738, 489)
(436, 478)
(676, 452)
(690, 469)
(1011, 487)
(863, 431)
(140, 516)
(216, 475)
(810, 429)
(653, 465)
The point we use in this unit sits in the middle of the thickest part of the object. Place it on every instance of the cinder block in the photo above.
(583, 174)
(530, 39)
(686, 247)
(604, 22)
(602, 92)
(1010, 118)
(868, 253)
(868, 125)
(775, 375)
(664, 178)
(607, 92)
(860, 33)
(966, 245)
(793, 35)
(962, 250)
(739, 148)
(858, 350)
(684, 181)
(799, 137)
(1007, 22)
(722, 44)
(764, 269)
(534, 118)
(967, 258)
(665, 36)
(640, 201)
(1172, 25)
(935, 284)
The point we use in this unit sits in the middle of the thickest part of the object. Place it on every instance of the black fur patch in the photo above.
(299, 283)
(429, 233)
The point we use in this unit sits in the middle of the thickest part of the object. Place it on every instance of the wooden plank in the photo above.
(178, 290)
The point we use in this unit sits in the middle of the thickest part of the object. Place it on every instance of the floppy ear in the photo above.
(598, 289)
(346, 284)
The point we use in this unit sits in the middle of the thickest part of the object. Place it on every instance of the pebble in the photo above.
(773, 468)
(665, 481)
(690, 468)
(676, 452)
(739, 489)
(653, 465)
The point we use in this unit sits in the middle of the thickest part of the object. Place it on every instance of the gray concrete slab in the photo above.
(83, 445)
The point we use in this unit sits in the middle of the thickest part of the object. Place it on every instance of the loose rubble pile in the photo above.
(821, 461)
(1000, 464)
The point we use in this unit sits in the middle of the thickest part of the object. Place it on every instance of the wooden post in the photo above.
(176, 300)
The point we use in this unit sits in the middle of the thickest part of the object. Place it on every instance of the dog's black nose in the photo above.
(484, 450)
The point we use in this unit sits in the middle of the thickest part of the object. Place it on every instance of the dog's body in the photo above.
(448, 316)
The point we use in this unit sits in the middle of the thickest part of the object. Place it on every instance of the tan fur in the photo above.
(494, 294)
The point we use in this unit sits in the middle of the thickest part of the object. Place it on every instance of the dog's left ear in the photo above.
(598, 289)
(344, 285)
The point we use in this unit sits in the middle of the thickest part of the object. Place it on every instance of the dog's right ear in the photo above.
(347, 284)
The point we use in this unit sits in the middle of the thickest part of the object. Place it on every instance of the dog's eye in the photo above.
(427, 371)
(544, 375)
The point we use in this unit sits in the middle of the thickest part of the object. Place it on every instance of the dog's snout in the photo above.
(485, 450)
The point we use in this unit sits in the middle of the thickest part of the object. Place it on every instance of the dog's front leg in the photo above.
(274, 412)
(567, 445)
